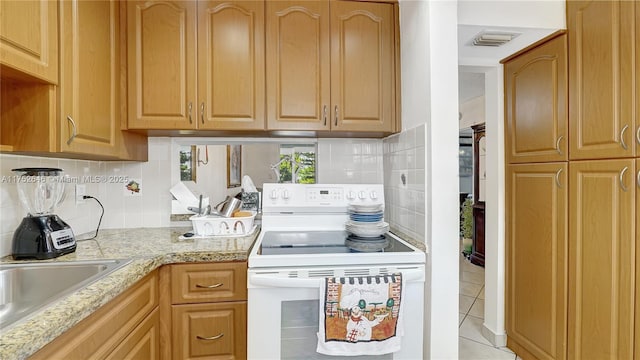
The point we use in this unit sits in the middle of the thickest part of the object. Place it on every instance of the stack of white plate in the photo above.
(366, 228)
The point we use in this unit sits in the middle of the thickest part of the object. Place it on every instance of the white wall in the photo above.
(428, 30)
(473, 112)
(513, 13)
(404, 182)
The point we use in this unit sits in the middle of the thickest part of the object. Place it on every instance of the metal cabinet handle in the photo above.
(202, 112)
(209, 286)
(558, 178)
(190, 107)
(73, 130)
(622, 186)
(324, 115)
(622, 143)
(638, 178)
(558, 145)
(211, 337)
(336, 115)
(638, 135)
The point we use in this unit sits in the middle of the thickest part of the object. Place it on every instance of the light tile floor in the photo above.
(471, 344)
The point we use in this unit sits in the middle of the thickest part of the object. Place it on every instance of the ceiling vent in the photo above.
(493, 38)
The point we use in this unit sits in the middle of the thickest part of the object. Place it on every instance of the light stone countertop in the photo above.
(148, 248)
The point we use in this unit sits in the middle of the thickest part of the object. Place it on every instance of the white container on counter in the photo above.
(222, 226)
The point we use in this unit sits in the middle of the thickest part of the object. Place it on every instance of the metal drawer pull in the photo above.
(558, 178)
(624, 188)
(209, 286)
(638, 178)
(558, 145)
(622, 143)
(190, 107)
(638, 135)
(202, 112)
(324, 115)
(211, 337)
(336, 115)
(73, 131)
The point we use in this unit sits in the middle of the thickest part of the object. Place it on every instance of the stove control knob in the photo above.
(274, 194)
(351, 195)
(285, 194)
(373, 195)
(362, 195)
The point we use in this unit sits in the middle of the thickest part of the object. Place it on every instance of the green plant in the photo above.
(466, 226)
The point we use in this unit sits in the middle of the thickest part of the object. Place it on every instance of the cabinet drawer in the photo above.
(196, 283)
(99, 334)
(210, 331)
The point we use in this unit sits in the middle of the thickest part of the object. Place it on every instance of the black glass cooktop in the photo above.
(316, 242)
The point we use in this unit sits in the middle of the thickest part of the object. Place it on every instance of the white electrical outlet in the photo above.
(81, 190)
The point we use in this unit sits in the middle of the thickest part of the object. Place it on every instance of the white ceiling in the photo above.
(491, 55)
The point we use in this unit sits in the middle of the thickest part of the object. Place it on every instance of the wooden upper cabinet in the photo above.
(162, 64)
(536, 104)
(29, 37)
(602, 259)
(89, 89)
(601, 79)
(298, 65)
(231, 74)
(362, 66)
(536, 259)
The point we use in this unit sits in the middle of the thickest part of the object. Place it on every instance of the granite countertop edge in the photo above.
(25, 338)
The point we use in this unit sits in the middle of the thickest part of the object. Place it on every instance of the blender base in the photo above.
(42, 237)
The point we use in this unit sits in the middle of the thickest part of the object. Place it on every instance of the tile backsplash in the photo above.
(404, 181)
(339, 161)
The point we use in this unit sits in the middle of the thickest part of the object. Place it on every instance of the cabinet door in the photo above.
(210, 331)
(536, 260)
(362, 66)
(602, 259)
(298, 60)
(142, 343)
(231, 65)
(29, 37)
(601, 43)
(536, 104)
(161, 64)
(89, 77)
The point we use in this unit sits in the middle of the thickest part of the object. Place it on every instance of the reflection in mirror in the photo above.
(187, 163)
(262, 162)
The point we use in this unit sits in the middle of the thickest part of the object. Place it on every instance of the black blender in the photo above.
(41, 234)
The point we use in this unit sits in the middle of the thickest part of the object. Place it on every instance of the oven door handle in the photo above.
(273, 280)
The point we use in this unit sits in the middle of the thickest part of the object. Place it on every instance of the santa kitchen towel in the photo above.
(360, 315)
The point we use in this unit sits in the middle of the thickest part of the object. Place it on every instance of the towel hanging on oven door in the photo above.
(361, 315)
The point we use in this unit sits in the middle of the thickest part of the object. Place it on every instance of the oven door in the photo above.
(283, 313)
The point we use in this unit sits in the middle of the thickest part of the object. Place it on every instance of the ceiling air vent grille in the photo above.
(486, 38)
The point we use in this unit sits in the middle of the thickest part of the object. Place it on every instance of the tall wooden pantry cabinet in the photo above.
(536, 200)
(576, 295)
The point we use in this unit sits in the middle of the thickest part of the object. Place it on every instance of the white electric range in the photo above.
(302, 242)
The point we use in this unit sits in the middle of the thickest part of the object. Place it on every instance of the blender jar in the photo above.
(40, 189)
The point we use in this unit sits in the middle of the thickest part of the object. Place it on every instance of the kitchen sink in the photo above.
(28, 287)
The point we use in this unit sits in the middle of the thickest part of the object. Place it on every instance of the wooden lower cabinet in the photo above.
(142, 343)
(536, 260)
(602, 259)
(203, 309)
(115, 330)
(210, 331)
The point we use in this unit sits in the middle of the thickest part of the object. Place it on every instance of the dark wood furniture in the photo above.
(477, 254)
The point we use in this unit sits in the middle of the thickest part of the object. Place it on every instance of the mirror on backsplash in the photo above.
(217, 170)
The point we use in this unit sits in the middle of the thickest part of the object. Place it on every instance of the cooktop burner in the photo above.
(316, 242)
